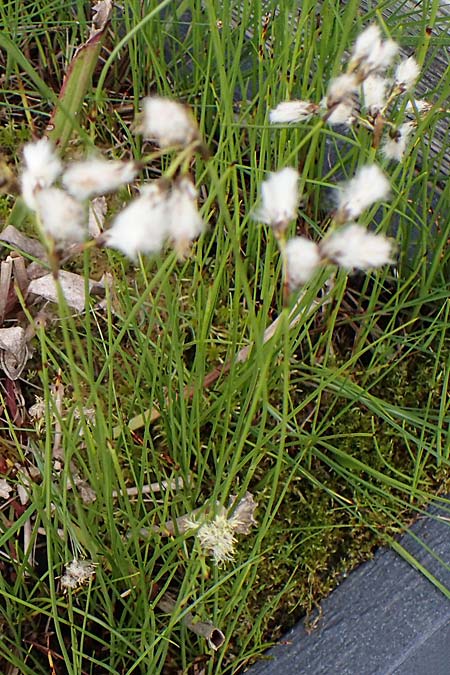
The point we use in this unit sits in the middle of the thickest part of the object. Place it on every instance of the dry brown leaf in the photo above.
(97, 213)
(243, 514)
(14, 351)
(72, 286)
(10, 235)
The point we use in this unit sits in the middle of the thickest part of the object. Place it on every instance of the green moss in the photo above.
(323, 532)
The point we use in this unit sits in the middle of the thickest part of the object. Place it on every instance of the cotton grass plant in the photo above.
(250, 360)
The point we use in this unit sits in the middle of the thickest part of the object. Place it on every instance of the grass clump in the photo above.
(220, 434)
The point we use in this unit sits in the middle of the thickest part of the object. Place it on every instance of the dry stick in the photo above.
(213, 636)
(27, 542)
(161, 486)
(58, 397)
(152, 414)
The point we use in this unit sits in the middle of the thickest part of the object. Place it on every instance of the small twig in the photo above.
(58, 396)
(213, 635)
(27, 542)
(176, 484)
(20, 272)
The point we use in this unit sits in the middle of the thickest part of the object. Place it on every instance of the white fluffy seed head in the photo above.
(371, 54)
(168, 122)
(381, 57)
(41, 161)
(407, 73)
(185, 223)
(342, 113)
(354, 247)
(292, 111)
(365, 42)
(303, 258)
(42, 168)
(374, 90)
(62, 218)
(142, 225)
(420, 105)
(341, 88)
(279, 199)
(340, 99)
(95, 177)
(394, 147)
(368, 186)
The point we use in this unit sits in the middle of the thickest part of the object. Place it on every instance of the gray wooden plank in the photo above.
(386, 618)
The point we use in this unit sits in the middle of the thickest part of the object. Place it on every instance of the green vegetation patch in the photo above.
(244, 391)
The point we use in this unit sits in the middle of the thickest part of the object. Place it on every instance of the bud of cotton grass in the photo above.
(302, 260)
(96, 177)
(61, 217)
(354, 247)
(216, 536)
(292, 111)
(368, 186)
(168, 122)
(142, 226)
(185, 222)
(42, 168)
(279, 199)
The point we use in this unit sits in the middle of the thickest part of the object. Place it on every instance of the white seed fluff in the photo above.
(395, 147)
(374, 90)
(292, 111)
(62, 218)
(365, 43)
(368, 186)
(95, 177)
(354, 247)
(370, 54)
(42, 168)
(142, 226)
(168, 122)
(342, 113)
(279, 198)
(407, 73)
(185, 222)
(341, 88)
(380, 57)
(303, 257)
